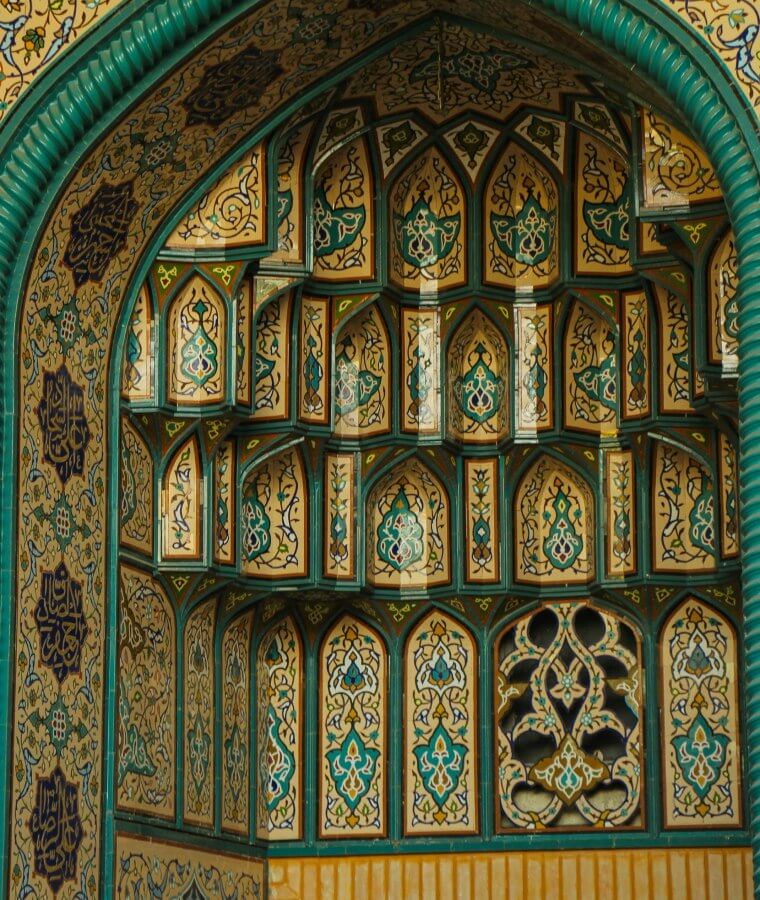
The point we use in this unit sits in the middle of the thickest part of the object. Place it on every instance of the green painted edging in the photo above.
(30, 169)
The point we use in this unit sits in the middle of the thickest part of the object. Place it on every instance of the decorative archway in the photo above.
(68, 447)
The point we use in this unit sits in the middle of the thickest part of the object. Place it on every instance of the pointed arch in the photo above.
(723, 311)
(440, 728)
(199, 685)
(590, 357)
(196, 345)
(362, 375)
(343, 215)
(478, 379)
(146, 701)
(136, 489)
(521, 222)
(274, 518)
(353, 692)
(701, 756)
(280, 715)
(428, 225)
(182, 504)
(235, 747)
(603, 208)
(138, 365)
(554, 525)
(408, 528)
(682, 489)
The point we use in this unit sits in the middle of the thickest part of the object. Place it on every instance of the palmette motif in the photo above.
(352, 730)
(279, 674)
(440, 728)
(700, 710)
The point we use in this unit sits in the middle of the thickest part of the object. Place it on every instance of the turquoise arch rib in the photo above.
(68, 108)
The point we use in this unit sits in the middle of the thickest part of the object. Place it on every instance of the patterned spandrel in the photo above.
(729, 498)
(722, 287)
(185, 872)
(135, 490)
(591, 371)
(343, 216)
(700, 719)
(621, 528)
(352, 729)
(603, 210)
(196, 345)
(568, 697)
(683, 512)
(675, 352)
(635, 341)
(274, 517)
(534, 403)
(271, 361)
(440, 728)
(478, 381)
(138, 364)
(146, 698)
(395, 141)
(339, 535)
(199, 677)
(598, 117)
(225, 489)
(182, 504)
(471, 142)
(676, 170)
(546, 135)
(408, 529)
(279, 727)
(243, 342)
(236, 724)
(521, 232)
(483, 539)
(339, 126)
(232, 213)
(361, 383)
(428, 227)
(553, 525)
(314, 360)
(420, 411)
(290, 200)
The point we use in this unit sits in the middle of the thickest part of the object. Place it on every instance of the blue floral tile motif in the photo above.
(61, 623)
(56, 829)
(440, 763)
(98, 232)
(65, 433)
(701, 756)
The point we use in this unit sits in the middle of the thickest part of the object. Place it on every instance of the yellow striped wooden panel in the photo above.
(656, 874)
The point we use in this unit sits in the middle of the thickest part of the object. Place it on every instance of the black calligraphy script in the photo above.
(231, 86)
(56, 829)
(98, 232)
(65, 434)
(61, 623)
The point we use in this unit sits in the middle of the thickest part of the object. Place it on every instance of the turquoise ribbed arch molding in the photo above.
(74, 103)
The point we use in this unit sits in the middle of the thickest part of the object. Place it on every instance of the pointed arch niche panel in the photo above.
(423, 423)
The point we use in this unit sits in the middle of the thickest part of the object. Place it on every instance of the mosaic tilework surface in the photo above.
(90, 245)
(165, 871)
(36, 36)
